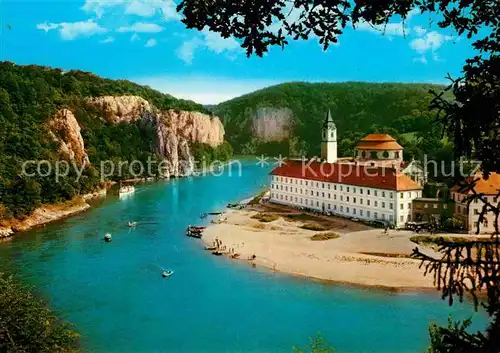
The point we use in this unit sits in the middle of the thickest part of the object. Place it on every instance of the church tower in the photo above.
(329, 140)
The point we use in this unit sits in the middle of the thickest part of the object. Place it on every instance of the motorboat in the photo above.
(126, 190)
(107, 237)
(167, 273)
(132, 224)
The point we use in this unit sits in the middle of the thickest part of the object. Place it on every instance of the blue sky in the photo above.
(145, 42)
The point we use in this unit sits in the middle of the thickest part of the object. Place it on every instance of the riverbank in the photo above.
(357, 254)
(46, 214)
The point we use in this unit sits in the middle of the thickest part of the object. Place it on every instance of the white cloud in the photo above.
(210, 40)
(187, 49)
(107, 40)
(389, 29)
(72, 30)
(140, 8)
(150, 43)
(430, 41)
(100, 6)
(134, 37)
(47, 26)
(143, 8)
(203, 89)
(419, 30)
(141, 27)
(169, 10)
(421, 59)
(217, 44)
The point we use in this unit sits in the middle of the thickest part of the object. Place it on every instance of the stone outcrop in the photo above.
(272, 124)
(119, 109)
(65, 131)
(173, 129)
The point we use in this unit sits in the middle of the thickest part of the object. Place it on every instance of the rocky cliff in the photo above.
(65, 131)
(272, 124)
(173, 130)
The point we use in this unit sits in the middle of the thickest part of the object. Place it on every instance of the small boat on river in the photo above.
(167, 273)
(126, 190)
(107, 237)
(132, 224)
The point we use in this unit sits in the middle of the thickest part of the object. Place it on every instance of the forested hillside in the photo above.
(357, 108)
(29, 96)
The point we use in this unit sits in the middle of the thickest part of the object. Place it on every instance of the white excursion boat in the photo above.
(126, 190)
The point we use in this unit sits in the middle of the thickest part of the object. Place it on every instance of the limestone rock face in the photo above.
(272, 124)
(173, 129)
(64, 129)
(119, 109)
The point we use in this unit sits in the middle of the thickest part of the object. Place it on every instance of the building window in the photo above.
(317, 185)
(376, 203)
(354, 190)
(375, 192)
(367, 213)
(391, 217)
(347, 209)
(334, 187)
(341, 197)
(361, 201)
(334, 196)
(329, 206)
(391, 195)
(353, 211)
(383, 193)
(348, 189)
(396, 154)
(317, 203)
(317, 193)
(347, 198)
(375, 214)
(286, 197)
(368, 192)
(383, 204)
(401, 195)
(476, 211)
(307, 201)
(323, 185)
(361, 191)
(323, 194)
(391, 206)
(360, 212)
(341, 187)
(401, 219)
(341, 208)
(335, 207)
(328, 186)
(401, 206)
(368, 202)
(353, 200)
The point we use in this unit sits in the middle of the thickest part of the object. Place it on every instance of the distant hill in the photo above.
(287, 118)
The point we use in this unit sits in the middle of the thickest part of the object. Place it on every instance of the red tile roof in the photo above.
(349, 174)
(378, 138)
(377, 146)
(379, 142)
(482, 186)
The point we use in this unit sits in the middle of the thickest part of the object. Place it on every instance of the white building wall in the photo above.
(344, 200)
(472, 211)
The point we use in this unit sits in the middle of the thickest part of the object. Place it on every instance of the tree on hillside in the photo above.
(471, 119)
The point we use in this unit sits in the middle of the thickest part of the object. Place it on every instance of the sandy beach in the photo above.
(365, 256)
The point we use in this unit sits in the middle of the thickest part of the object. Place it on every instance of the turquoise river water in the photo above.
(115, 296)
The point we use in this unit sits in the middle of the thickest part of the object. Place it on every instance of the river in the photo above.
(115, 296)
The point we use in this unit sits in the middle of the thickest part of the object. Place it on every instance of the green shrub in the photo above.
(313, 226)
(266, 217)
(27, 325)
(325, 236)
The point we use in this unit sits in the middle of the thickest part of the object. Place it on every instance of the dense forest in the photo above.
(29, 95)
(358, 109)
